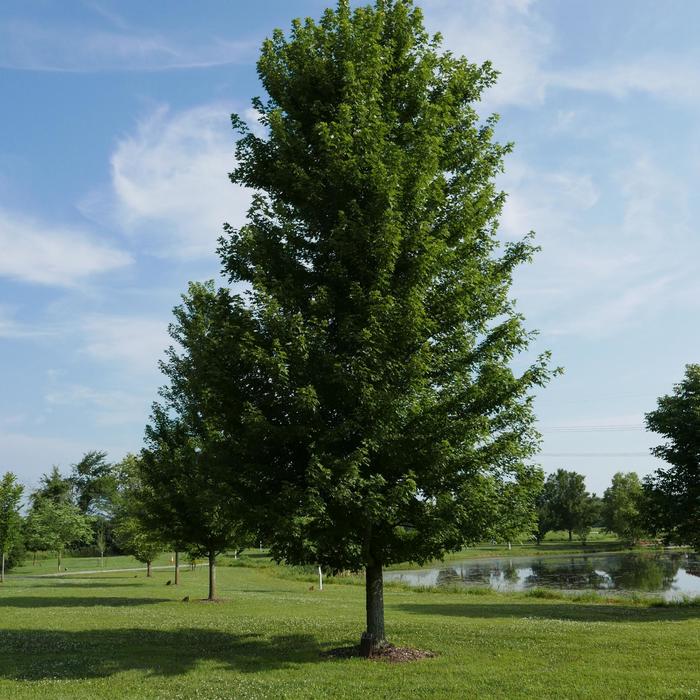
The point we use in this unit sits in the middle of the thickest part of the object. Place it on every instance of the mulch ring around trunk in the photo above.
(389, 653)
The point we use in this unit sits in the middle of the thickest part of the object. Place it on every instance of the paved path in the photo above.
(93, 571)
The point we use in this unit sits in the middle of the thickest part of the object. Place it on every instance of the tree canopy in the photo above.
(10, 518)
(387, 412)
(674, 492)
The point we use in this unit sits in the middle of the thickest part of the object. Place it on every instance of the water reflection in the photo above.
(670, 574)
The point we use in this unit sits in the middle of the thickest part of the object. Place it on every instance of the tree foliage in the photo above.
(622, 508)
(192, 442)
(384, 402)
(132, 526)
(53, 487)
(10, 518)
(568, 505)
(94, 484)
(674, 492)
(56, 525)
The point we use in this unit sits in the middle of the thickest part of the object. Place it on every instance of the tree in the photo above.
(10, 518)
(674, 492)
(53, 487)
(188, 456)
(572, 508)
(546, 518)
(94, 484)
(133, 531)
(388, 411)
(622, 507)
(57, 525)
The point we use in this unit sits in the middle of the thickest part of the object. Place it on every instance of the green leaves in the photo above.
(673, 494)
(387, 414)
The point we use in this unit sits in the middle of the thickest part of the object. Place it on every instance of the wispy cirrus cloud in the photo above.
(169, 185)
(85, 49)
(517, 38)
(130, 343)
(600, 275)
(36, 251)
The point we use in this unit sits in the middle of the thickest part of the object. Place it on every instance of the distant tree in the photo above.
(390, 411)
(588, 517)
(53, 487)
(622, 507)
(673, 493)
(137, 540)
(94, 484)
(58, 525)
(546, 518)
(573, 509)
(101, 539)
(191, 449)
(133, 530)
(10, 518)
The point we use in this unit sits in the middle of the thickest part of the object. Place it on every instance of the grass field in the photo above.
(123, 635)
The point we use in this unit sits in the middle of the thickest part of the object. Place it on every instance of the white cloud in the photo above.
(39, 252)
(170, 185)
(108, 407)
(134, 342)
(85, 49)
(522, 45)
(603, 268)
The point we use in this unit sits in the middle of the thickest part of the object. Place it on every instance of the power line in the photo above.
(596, 454)
(591, 428)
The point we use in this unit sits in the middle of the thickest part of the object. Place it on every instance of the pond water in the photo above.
(670, 575)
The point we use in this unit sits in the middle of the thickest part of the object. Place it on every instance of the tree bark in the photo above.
(571, 535)
(59, 559)
(148, 569)
(177, 568)
(2, 571)
(374, 637)
(212, 576)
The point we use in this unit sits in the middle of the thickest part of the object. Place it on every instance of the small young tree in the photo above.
(191, 443)
(101, 539)
(622, 507)
(10, 518)
(673, 493)
(57, 525)
(138, 540)
(133, 531)
(390, 411)
(572, 507)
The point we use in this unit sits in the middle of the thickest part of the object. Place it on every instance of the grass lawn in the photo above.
(123, 635)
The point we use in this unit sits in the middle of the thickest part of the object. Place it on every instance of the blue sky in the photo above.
(114, 151)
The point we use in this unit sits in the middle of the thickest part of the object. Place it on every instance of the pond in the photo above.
(670, 575)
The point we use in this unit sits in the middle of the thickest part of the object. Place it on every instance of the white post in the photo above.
(320, 579)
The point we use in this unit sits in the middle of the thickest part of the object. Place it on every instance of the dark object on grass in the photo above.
(186, 599)
(168, 582)
(387, 653)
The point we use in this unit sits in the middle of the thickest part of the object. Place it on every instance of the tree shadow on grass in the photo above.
(57, 601)
(40, 654)
(576, 612)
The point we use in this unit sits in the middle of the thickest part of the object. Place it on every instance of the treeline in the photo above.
(110, 509)
(624, 510)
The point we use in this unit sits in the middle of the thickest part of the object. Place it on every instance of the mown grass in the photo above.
(123, 635)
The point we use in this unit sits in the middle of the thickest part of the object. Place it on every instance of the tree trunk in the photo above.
(2, 570)
(177, 568)
(212, 576)
(59, 560)
(571, 535)
(148, 569)
(374, 637)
